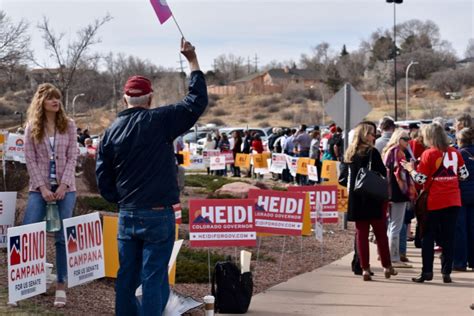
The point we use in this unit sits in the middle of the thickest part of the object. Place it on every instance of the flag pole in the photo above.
(172, 15)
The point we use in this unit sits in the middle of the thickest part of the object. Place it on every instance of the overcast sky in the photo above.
(273, 30)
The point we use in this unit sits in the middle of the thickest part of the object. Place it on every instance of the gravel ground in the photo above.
(300, 255)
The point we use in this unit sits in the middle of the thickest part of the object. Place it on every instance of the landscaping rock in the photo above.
(237, 189)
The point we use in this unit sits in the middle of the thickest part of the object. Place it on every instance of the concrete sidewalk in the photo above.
(335, 290)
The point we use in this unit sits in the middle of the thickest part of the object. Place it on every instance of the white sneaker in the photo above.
(399, 264)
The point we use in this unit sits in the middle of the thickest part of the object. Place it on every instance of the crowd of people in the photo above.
(421, 158)
(136, 168)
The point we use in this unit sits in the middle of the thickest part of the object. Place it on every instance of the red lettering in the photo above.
(80, 236)
(98, 235)
(24, 248)
(42, 245)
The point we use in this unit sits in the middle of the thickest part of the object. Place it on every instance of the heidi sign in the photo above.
(218, 223)
(278, 212)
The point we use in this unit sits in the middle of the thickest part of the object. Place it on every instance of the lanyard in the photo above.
(53, 145)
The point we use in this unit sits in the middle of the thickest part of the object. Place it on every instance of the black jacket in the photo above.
(136, 165)
(363, 207)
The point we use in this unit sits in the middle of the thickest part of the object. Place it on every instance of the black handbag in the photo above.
(371, 183)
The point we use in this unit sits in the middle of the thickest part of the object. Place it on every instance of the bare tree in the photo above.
(14, 41)
(14, 48)
(229, 68)
(470, 49)
(68, 60)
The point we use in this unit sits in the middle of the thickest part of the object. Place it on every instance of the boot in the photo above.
(424, 276)
(389, 272)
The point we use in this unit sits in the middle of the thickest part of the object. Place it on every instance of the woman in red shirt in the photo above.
(439, 170)
(257, 144)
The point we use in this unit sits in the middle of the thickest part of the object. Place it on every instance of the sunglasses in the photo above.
(405, 138)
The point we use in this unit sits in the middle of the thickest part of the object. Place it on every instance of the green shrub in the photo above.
(220, 112)
(192, 265)
(260, 116)
(277, 188)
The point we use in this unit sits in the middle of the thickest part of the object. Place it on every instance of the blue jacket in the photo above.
(467, 186)
(136, 165)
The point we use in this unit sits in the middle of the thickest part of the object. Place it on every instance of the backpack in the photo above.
(232, 290)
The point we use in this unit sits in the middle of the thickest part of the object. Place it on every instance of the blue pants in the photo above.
(145, 242)
(36, 212)
(464, 240)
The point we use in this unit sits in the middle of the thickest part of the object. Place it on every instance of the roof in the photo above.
(466, 60)
(249, 77)
(280, 73)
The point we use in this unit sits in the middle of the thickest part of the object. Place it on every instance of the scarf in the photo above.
(402, 177)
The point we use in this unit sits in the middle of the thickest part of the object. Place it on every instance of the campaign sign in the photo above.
(292, 163)
(278, 212)
(326, 195)
(7, 215)
(26, 261)
(221, 223)
(218, 163)
(242, 160)
(313, 173)
(178, 213)
(278, 163)
(208, 153)
(342, 198)
(84, 249)
(15, 149)
(197, 163)
(229, 156)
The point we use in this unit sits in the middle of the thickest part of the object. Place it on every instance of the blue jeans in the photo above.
(403, 240)
(395, 223)
(36, 212)
(464, 239)
(145, 242)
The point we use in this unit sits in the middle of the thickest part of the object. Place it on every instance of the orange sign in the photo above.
(302, 167)
(242, 160)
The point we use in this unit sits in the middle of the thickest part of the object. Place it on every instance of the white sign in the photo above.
(318, 227)
(7, 215)
(278, 163)
(26, 261)
(15, 149)
(84, 249)
(312, 173)
(208, 153)
(218, 163)
(197, 163)
(292, 163)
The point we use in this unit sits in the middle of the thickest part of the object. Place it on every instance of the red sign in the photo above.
(220, 223)
(278, 212)
(178, 211)
(326, 195)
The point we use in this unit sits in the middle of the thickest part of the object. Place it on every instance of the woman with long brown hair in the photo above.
(439, 171)
(50, 153)
(364, 210)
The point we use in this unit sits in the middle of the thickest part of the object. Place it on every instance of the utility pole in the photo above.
(256, 62)
(182, 74)
(248, 65)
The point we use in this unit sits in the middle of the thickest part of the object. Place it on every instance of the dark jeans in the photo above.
(464, 238)
(440, 224)
(145, 241)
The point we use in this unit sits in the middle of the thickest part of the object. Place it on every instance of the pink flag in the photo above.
(162, 10)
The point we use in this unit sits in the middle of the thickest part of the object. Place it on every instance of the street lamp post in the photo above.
(395, 2)
(21, 117)
(406, 86)
(74, 103)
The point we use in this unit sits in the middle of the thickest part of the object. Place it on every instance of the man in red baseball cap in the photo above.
(136, 168)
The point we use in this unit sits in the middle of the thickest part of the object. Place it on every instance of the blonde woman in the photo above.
(363, 210)
(401, 190)
(50, 152)
(439, 171)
